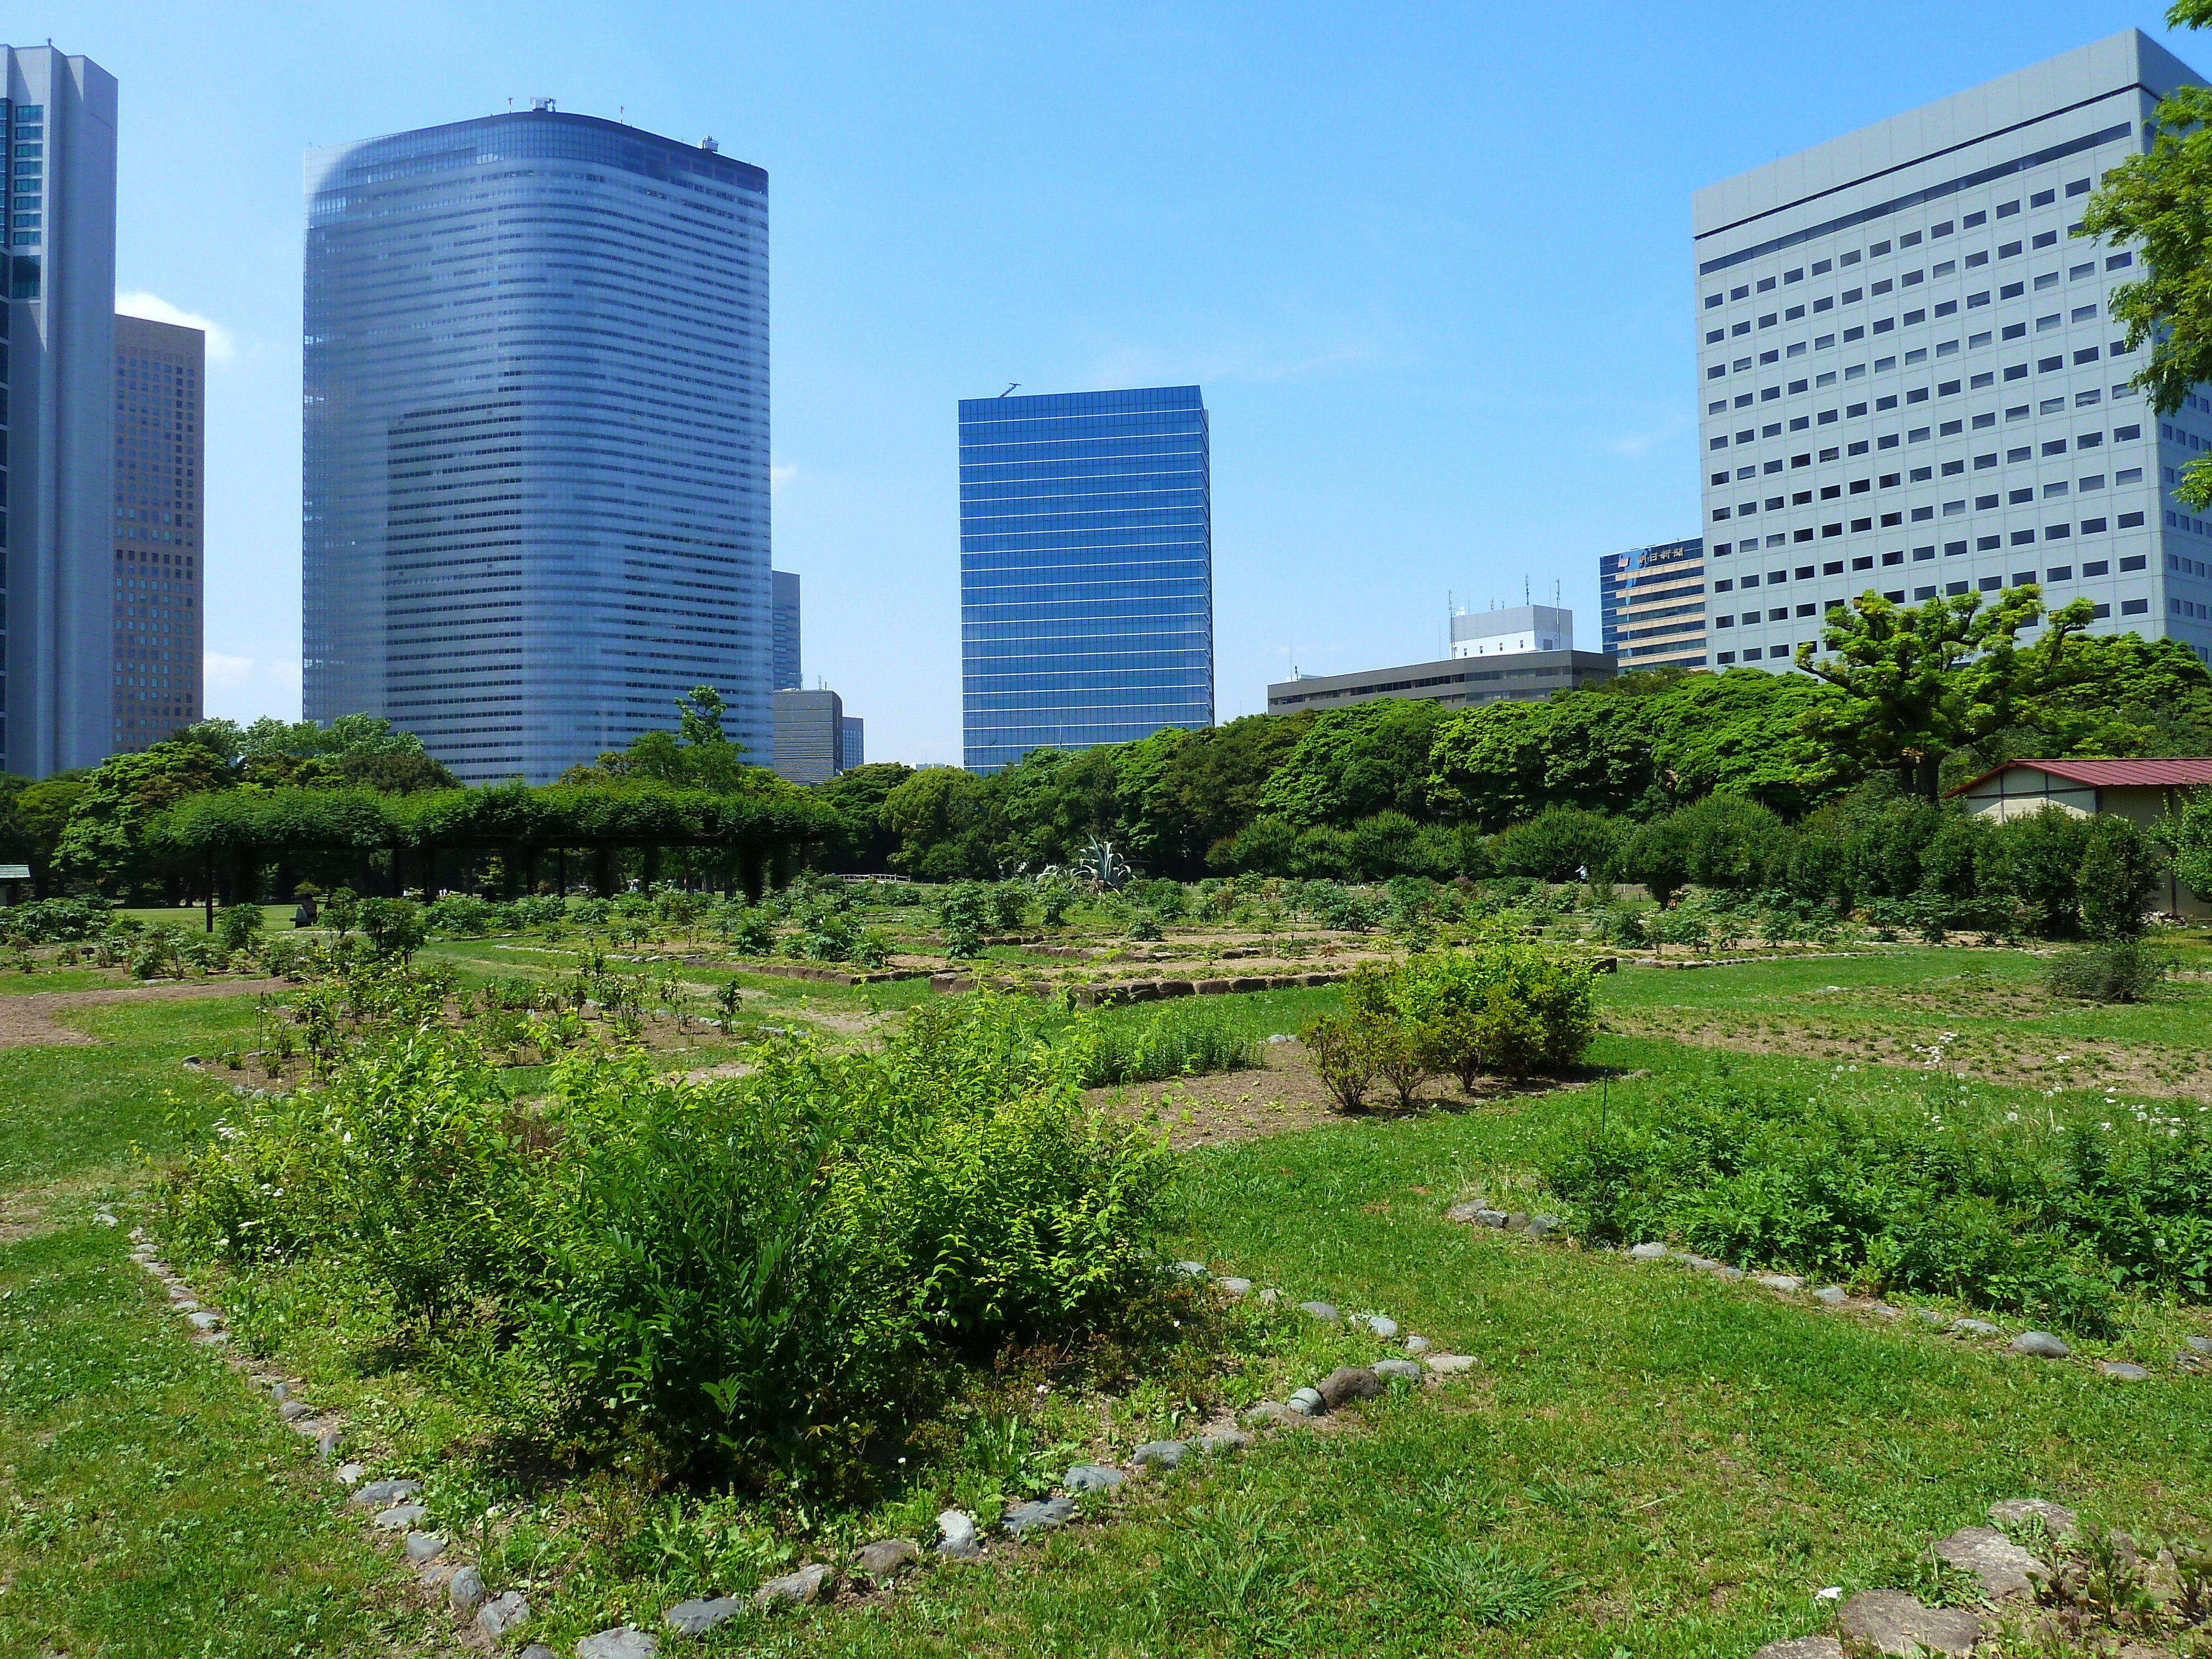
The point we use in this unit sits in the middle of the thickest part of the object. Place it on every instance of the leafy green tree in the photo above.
(33, 817)
(2188, 834)
(1657, 854)
(1921, 682)
(944, 818)
(1556, 844)
(1184, 794)
(2035, 860)
(1728, 842)
(1053, 801)
(1354, 762)
(2159, 204)
(105, 839)
(862, 842)
(2119, 874)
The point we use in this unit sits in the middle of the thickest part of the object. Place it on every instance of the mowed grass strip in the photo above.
(149, 1503)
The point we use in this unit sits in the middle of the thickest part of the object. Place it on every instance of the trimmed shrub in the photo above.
(1557, 845)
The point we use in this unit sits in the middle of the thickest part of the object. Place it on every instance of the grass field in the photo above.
(1645, 1464)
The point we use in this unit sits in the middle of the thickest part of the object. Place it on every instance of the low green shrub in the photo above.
(239, 927)
(463, 915)
(963, 911)
(2123, 969)
(2051, 1214)
(751, 930)
(57, 920)
(1182, 1038)
(746, 1272)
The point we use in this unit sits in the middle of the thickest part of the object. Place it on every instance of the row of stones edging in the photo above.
(2040, 1345)
(393, 1507)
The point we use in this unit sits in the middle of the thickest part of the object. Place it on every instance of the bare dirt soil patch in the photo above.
(1283, 1094)
(27, 1020)
(2020, 1056)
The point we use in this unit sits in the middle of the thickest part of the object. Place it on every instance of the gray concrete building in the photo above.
(536, 493)
(1910, 376)
(1512, 630)
(809, 736)
(56, 376)
(160, 628)
(1457, 681)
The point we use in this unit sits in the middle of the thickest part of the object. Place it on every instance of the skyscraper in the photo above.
(160, 591)
(537, 437)
(809, 736)
(57, 369)
(1911, 379)
(853, 750)
(1086, 570)
(1653, 601)
(789, 675)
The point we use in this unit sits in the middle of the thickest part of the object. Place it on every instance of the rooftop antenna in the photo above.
(1010, 388)
(1524, 587)
(510, 104)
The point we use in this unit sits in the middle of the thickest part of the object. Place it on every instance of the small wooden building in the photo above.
(2143, 790)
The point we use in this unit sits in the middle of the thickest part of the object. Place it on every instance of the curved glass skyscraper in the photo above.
(536, 496)
(1086, 570)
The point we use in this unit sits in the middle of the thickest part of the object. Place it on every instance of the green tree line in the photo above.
(1921, 698)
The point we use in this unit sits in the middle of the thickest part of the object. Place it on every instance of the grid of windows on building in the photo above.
(58, 126)
(1086, 570)
(1654, 605)
(24, 150)
(1911, 380)
(160, 564)
(535, 478)
(789, 671)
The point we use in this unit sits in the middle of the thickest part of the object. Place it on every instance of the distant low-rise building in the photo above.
(1457, 681)
(809, 736)
(2141, 791)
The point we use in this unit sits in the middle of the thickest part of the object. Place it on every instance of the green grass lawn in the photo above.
(1646, 1462)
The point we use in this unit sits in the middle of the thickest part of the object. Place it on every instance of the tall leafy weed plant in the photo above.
(745, 1271)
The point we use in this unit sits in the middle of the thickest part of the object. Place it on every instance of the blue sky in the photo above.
(1430, 264)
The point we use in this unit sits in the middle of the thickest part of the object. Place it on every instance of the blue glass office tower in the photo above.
(1086, 570)
(536, 498)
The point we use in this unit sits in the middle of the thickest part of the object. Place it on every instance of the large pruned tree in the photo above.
(1922, 681)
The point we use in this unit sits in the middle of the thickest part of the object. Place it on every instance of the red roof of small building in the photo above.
(2113, 773)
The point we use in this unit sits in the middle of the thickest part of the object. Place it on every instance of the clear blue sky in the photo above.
(1430, 264)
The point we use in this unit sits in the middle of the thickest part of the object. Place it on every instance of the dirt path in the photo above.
(27, 1020)
(1285, 1094)
(2022, 1056)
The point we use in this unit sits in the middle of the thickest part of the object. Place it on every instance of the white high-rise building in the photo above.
(56, 377)
(535, 491)
(1910, 378)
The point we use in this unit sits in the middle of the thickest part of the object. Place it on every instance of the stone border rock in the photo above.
(389, 1504)
(1893, 1622)
(884, 1561)
(2036, 1345)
